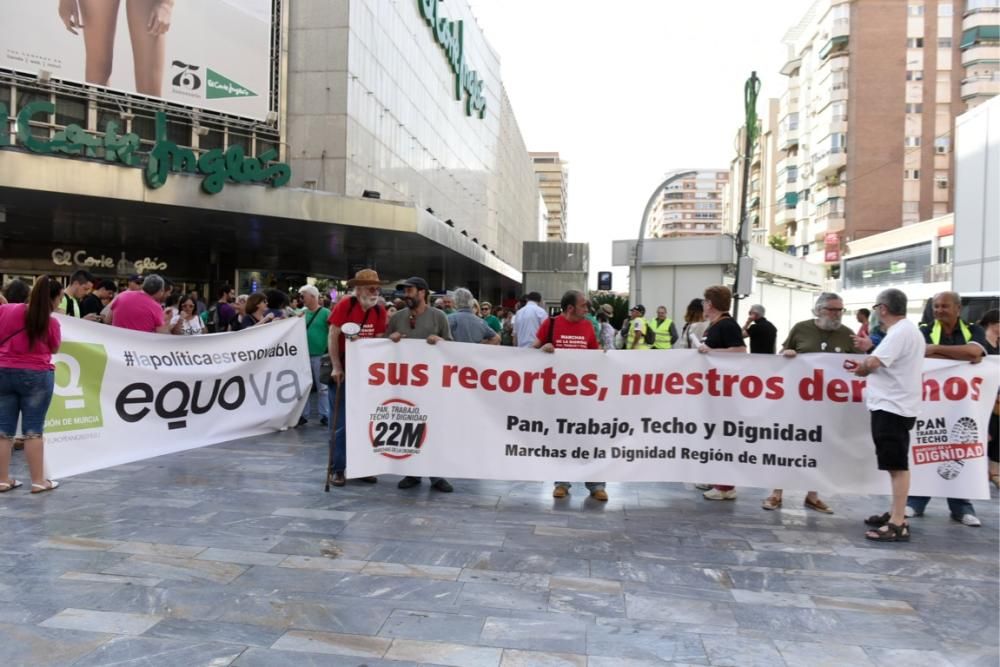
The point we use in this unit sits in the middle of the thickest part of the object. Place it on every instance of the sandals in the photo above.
(890, 532)
(877, 520)
(771, 503)
(49, 485)
(817, 505)
(9, 485)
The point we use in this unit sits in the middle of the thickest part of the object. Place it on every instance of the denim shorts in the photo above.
(27, 394)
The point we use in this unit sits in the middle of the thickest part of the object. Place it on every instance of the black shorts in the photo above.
(891, 434)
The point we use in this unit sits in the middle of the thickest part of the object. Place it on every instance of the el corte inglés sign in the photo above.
(450, 36)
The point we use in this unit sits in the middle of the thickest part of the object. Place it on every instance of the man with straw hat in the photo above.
(364, 310)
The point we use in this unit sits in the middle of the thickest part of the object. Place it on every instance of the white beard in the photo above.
(367, 301)
(828, 323)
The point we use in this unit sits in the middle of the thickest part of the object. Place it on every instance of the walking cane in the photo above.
(333, 435)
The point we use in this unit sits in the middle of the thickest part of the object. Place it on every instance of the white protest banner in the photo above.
(479, 411)
(123, 396)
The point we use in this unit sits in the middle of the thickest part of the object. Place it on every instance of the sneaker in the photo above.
(560, 492)
(324, 421)
(715, 494)
(443, 485)
(302, 422)
(599, 494)
(703, 487)
(970, 520)
(408, 482)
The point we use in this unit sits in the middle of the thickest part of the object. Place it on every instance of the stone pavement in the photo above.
(234, 555)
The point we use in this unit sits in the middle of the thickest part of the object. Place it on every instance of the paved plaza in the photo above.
(233, 555)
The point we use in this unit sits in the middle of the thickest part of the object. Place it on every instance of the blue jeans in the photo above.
(958, 506)
(338, 431)
(322, 402)
(26, 394)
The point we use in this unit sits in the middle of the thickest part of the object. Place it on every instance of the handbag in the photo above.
(325, 369)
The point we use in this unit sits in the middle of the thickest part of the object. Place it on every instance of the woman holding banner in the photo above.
(29, 336)
(148, 23)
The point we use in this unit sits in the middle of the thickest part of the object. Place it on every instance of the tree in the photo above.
(618, 303)
(779, 243)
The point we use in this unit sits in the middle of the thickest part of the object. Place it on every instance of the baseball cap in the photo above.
(136, 278)
(641, 308)
(419, 283)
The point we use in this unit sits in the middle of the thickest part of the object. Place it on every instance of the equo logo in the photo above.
(76, 400)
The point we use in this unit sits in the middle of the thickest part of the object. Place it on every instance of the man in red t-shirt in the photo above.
(364, 310)
(570, 331)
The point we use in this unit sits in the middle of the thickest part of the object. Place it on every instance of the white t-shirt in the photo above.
(898, 385)
(189, 327)
(526, 323)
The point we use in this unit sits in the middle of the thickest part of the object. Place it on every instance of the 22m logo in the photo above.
(185, 76)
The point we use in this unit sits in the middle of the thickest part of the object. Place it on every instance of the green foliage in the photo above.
(618, 303)
(779, 243)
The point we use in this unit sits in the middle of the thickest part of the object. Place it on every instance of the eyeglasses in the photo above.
(877, 305)
(833, 310)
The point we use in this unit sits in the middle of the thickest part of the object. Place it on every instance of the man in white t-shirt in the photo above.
(528, 319)
(892, 395)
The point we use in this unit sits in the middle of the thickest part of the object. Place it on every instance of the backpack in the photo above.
(650, 336)
(621, 339)
(213, 324)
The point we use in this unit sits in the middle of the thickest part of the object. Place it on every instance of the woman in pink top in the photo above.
(29, 336)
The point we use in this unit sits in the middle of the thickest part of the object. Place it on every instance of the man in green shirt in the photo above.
(317, 330)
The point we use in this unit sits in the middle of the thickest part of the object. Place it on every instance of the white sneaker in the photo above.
(971, 520)
(703, 487)
(909, 512)
(715, 494)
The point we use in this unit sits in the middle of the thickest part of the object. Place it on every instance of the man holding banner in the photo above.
(571, 330)
(892, 395)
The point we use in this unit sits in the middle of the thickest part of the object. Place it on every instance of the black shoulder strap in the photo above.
(552, 328)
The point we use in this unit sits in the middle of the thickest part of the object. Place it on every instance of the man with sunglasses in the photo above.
(364, 310)
(419, 320)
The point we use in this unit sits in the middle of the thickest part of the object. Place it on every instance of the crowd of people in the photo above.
(894, 347)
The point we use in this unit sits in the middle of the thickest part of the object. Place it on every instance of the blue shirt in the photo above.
(466, 327)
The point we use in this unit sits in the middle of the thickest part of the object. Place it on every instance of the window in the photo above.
(942, 145)
(911, 174)
(944, 42)
(914, 75)
(70, 111)
(838, 142)
(895, 267)
(944, 9)
(911, 142)
(911, 207)
(914, 108)
(915, 43)
(915, 10)
(941, 180)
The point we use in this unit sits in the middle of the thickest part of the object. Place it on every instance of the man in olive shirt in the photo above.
(823, 333)
(419, 320)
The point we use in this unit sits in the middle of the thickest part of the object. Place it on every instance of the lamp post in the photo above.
(637, 267)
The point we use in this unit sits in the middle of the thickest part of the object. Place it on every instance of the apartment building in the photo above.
(866, 121)
(690, 206)
(761, 202)
(552, 177)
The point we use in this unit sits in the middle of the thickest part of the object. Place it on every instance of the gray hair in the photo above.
(757, 308)
(894, 301)
(152, 284)
(956, 298)
(463, 298)
(823, 299)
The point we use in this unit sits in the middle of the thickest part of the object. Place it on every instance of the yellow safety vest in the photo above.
(662, 334)
(937, 330)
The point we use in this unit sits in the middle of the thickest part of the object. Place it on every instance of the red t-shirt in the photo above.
(373, 321)
(568, 335)
(136, 310)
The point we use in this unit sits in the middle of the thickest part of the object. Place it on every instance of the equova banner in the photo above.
(123, 396)
(209, 54)
(479, 411)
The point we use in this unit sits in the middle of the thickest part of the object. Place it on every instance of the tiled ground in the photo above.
(234, 555)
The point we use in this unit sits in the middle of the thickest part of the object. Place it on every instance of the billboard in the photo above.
(210, 54)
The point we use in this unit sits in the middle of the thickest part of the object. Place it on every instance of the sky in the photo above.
(628, 90)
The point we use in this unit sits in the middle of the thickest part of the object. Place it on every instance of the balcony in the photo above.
(823, 192)
(788, 138)
(836, 44)
(840, 28)
(829, 162)
(784, 216)
(981, 53)
(981, 86)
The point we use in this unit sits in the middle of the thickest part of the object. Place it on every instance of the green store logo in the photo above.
(218, 86)
(216, 165)
(76, 399)
(450, 35)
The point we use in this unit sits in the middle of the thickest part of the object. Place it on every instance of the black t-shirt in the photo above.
(91, 304)
(724, 333)
(763, 337)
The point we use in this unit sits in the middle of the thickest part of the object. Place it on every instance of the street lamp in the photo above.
(637, 268)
